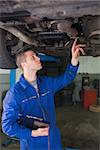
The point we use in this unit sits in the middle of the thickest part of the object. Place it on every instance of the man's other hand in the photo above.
(40, 132)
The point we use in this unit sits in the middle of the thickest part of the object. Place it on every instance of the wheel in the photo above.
(6, 61)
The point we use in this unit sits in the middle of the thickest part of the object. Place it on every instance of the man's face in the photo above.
(32, 62)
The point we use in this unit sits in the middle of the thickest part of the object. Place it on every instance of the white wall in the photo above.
(18, 73)
(89, 65)
(4, 71)
(4, 84)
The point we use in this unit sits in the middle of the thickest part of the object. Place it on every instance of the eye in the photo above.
(36, 54)
(32, 57)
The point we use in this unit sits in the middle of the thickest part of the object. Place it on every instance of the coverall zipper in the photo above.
(44, 117)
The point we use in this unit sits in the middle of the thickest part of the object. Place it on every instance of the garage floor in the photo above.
(80, 128)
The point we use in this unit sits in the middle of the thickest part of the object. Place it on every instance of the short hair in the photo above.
(20, 57)
(20, 54)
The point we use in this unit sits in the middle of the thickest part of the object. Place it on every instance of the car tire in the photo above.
(6, 61)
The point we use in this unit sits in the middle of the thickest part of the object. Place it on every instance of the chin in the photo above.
(40, 67)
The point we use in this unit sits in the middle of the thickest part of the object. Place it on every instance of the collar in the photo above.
(24, 83)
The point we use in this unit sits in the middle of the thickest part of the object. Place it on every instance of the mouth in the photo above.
(39, 63)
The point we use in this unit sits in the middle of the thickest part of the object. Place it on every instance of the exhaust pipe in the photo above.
(18, 34)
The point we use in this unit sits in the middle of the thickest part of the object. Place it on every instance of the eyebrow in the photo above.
(33, 54)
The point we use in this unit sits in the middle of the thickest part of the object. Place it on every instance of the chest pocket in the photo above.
(45, 93)
(30, 106)
(29, 99)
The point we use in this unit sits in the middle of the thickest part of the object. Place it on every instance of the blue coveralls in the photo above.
(23, 99)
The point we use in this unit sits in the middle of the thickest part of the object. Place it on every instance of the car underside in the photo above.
(49, 25)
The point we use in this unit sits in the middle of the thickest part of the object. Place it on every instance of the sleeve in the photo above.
(65, 79)
(10, 125)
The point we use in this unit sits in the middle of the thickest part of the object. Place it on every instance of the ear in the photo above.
(23, 64)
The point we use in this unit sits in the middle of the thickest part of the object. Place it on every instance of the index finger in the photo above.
(74, 43)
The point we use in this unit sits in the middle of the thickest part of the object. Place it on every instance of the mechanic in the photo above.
(34, 96)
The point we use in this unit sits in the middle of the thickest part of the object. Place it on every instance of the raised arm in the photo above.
(65, 79)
